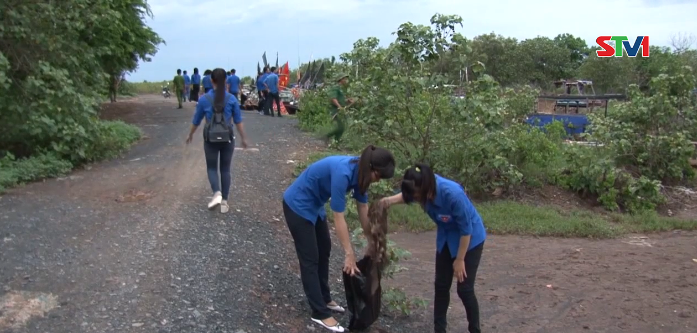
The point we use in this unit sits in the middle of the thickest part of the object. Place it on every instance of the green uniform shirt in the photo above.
(178, 82)
(335, 92)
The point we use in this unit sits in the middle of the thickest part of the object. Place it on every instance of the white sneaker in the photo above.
(217, 199)
(224, 208)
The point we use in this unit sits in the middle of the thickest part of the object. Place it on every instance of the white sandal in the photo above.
(336, 308)
(335, 328)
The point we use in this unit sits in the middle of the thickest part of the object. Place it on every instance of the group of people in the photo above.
(267, 88)
(461, 232)
(188, 88)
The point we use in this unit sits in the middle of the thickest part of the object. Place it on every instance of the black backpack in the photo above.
(217, 130)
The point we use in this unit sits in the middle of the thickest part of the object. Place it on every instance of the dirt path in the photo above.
(129, 246)
(636, 284)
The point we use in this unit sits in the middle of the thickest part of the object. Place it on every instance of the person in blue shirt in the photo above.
(233, 84)
(459, 241)
(206, 81)
(187, 87)
(303, 207)
(195, 85)
(271, 85)
(219, 99)
(263, 90)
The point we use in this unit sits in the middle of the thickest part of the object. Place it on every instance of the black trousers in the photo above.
(265, 98)
(195, 89)
(273, 97)
(465, 290)
(313, 246)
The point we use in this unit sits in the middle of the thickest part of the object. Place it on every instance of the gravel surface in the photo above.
(129, 246)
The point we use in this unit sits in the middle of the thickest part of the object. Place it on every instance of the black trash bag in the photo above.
(363, 295)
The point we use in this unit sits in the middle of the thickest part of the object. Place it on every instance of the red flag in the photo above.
(284, 76)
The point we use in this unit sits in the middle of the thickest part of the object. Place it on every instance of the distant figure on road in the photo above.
(264, 90)
(260, 92)
(178, 83)
(207, 83)
(303, 207)
(196, 85)
(271, 84)
(187, 86)
(220, 109)
(234, 85)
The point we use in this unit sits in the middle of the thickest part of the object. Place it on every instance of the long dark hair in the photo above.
(419, 179)
(195, 70)
(218, 78)
(374, 159)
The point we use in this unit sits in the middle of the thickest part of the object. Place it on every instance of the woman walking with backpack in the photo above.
(220, 109)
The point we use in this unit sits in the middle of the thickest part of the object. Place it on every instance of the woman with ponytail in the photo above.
(303, 206)
(218, 150)
(459, 241)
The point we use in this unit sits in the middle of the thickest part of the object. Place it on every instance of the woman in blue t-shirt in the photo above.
(459, 241)
(303, 207)
(220, 152)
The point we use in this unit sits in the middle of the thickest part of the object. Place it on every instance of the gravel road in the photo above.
(129, 246)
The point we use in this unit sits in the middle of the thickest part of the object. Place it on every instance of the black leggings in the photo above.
(444, 279)
(212, 151)
(194, 92)
(313, 246)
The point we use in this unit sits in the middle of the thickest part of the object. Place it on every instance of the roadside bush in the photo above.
(640, 145)
(314, 114)
(18, 171)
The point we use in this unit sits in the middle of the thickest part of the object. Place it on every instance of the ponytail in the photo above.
(218, 78)
(374, 159)
(419, 182)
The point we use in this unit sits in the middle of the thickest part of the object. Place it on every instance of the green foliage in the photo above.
(645, 142)
(18, 171)
(315, 110)
(406, 104)
(146, 88)
(57, 61)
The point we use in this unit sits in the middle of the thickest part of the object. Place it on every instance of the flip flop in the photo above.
(335, 328)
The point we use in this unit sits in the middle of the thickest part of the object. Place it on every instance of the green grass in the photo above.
(112, 139)
(513, 218)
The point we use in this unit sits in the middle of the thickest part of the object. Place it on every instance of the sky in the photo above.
(234, 34)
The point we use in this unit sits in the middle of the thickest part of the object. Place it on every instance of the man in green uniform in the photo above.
(178, 84)
(339, 104)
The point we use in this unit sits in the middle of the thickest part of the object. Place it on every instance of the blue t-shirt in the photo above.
(331, 177)
(187, 80)
(455, 216)
(207, 82)
(272, 82)
(204, 108)
(260, 82)
(196, 79)
(234, 82)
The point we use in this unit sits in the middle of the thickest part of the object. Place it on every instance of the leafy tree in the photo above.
(56, 59)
